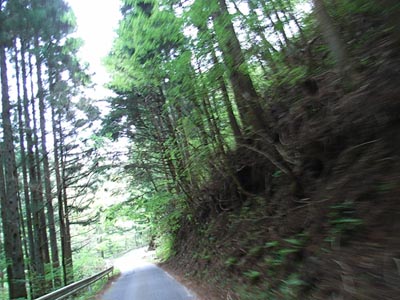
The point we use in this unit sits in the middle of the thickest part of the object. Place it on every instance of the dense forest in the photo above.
(263, 138)
(265, 142)
(44, 162)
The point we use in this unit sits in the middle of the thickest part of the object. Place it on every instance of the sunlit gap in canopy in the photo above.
(97, 22)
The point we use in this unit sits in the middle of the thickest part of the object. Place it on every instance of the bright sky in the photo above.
(97, 21)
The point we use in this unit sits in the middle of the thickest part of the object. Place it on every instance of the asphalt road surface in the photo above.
(141, 280)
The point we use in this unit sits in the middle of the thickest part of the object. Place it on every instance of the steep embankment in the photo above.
(337, 236)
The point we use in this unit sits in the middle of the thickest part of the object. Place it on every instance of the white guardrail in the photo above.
(75, 287)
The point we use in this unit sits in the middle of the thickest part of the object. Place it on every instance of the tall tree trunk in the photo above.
(267, 50)
(281, 27)
(63, 212)
(28, 212)
(245, 94)
(227, 102)
(199, 121)
(39, 220)
(267, 14)
(211, 118)
(68, 244)
(33, 203)
(306, 44)
(332, 36)
(169, 167)
(233, 122)
(46, 172)
(11, 221)
(44, 242)
(2, 196)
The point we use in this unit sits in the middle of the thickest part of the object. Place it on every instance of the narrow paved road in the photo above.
(141, 280)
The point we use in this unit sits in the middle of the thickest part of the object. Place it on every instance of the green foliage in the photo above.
(256, 251)
(87, 262)
(204, 255)
(277, 252)
(165, 247)
(154, 215)
(253, 292)
(385, 187)
(277, 174)
(272, 244)
(252, 275)
(231, 261)
(290, 287)
(294, 242)
(168, 69)
(3, 278)
(344, 223)
(92, 292)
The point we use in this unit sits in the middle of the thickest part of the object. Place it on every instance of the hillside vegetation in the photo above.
(265, 143)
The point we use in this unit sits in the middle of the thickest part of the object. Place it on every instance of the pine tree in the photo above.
(10, 213)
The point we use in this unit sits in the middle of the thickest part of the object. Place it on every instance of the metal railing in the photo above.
(75, 287)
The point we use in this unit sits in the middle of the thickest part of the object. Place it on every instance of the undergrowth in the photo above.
(336, 237)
